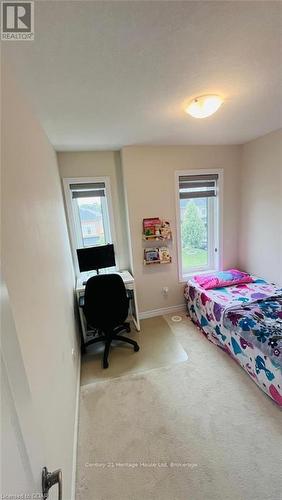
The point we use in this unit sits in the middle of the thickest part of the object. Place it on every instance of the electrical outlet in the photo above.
(165, 290)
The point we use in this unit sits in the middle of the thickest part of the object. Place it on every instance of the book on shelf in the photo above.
(165, 230)
(156, 228)
(151, 255)
(157, 255)
(150, 225)
(164, 255)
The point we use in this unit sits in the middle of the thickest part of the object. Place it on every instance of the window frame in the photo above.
(74, 226)
(217, 224)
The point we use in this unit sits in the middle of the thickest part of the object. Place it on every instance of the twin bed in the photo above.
(245, 320)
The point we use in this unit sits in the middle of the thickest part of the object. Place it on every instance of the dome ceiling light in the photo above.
(204, 106)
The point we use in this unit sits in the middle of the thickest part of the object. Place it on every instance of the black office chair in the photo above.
(106, 308)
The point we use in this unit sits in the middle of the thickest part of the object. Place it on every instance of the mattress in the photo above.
(245, 321)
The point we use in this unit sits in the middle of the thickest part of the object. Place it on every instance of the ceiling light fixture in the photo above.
(204, 106)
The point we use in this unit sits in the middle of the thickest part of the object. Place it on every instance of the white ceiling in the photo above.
(108, 74)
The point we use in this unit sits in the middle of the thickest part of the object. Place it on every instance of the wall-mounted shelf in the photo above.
(148, 263)
(154, 237)
(156, 255)
(155, 229)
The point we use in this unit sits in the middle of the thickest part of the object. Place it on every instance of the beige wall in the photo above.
(38, 271)
(261, 207)
(149, 178)
(148, 174)
(95, 164)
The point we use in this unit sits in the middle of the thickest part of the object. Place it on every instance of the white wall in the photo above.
(95, 164)
(261, 207)
(149, 178)
(37, 266)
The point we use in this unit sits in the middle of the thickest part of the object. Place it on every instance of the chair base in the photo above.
(108, 338)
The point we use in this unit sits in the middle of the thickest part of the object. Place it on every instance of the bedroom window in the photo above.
(198, 210)
(89, 213)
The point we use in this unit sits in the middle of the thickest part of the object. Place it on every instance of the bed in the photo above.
(245, 321)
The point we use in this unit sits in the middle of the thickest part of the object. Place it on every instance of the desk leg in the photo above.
(136, 324)
(134, 313)
(82, 325)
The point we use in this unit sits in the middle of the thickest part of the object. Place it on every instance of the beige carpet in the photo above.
(158, 347)
(197, 430)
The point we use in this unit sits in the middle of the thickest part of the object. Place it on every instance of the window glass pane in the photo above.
(194, 233)
(91, 221)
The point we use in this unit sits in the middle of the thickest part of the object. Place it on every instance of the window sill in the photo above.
(187, 276)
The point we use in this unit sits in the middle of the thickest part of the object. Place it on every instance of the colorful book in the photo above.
(164, 255)
(151, 254)
(149, 225)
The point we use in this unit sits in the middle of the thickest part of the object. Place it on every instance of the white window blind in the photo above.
(88, 190)
(198, 186)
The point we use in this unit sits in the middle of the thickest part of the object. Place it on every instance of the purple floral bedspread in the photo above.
(246, 321)
(259, 323)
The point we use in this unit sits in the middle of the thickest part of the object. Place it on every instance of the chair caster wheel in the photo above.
(136, 348)
(105, 364)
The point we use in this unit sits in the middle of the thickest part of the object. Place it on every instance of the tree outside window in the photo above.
(194, 233)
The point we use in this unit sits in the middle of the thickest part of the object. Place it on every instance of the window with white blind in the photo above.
(88, 203)
(198, 216)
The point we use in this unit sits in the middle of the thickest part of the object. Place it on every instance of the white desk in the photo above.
(129, 284)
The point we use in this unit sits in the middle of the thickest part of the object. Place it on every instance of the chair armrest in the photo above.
(81, 301)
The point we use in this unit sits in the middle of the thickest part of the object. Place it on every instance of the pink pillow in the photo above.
(223, 278)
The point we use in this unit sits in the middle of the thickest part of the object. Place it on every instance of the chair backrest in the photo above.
(105, 301)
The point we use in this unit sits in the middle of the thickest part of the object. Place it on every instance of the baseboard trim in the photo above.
(161, 312)
(75, 434)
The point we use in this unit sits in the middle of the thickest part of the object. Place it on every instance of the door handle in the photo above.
(49, 479)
